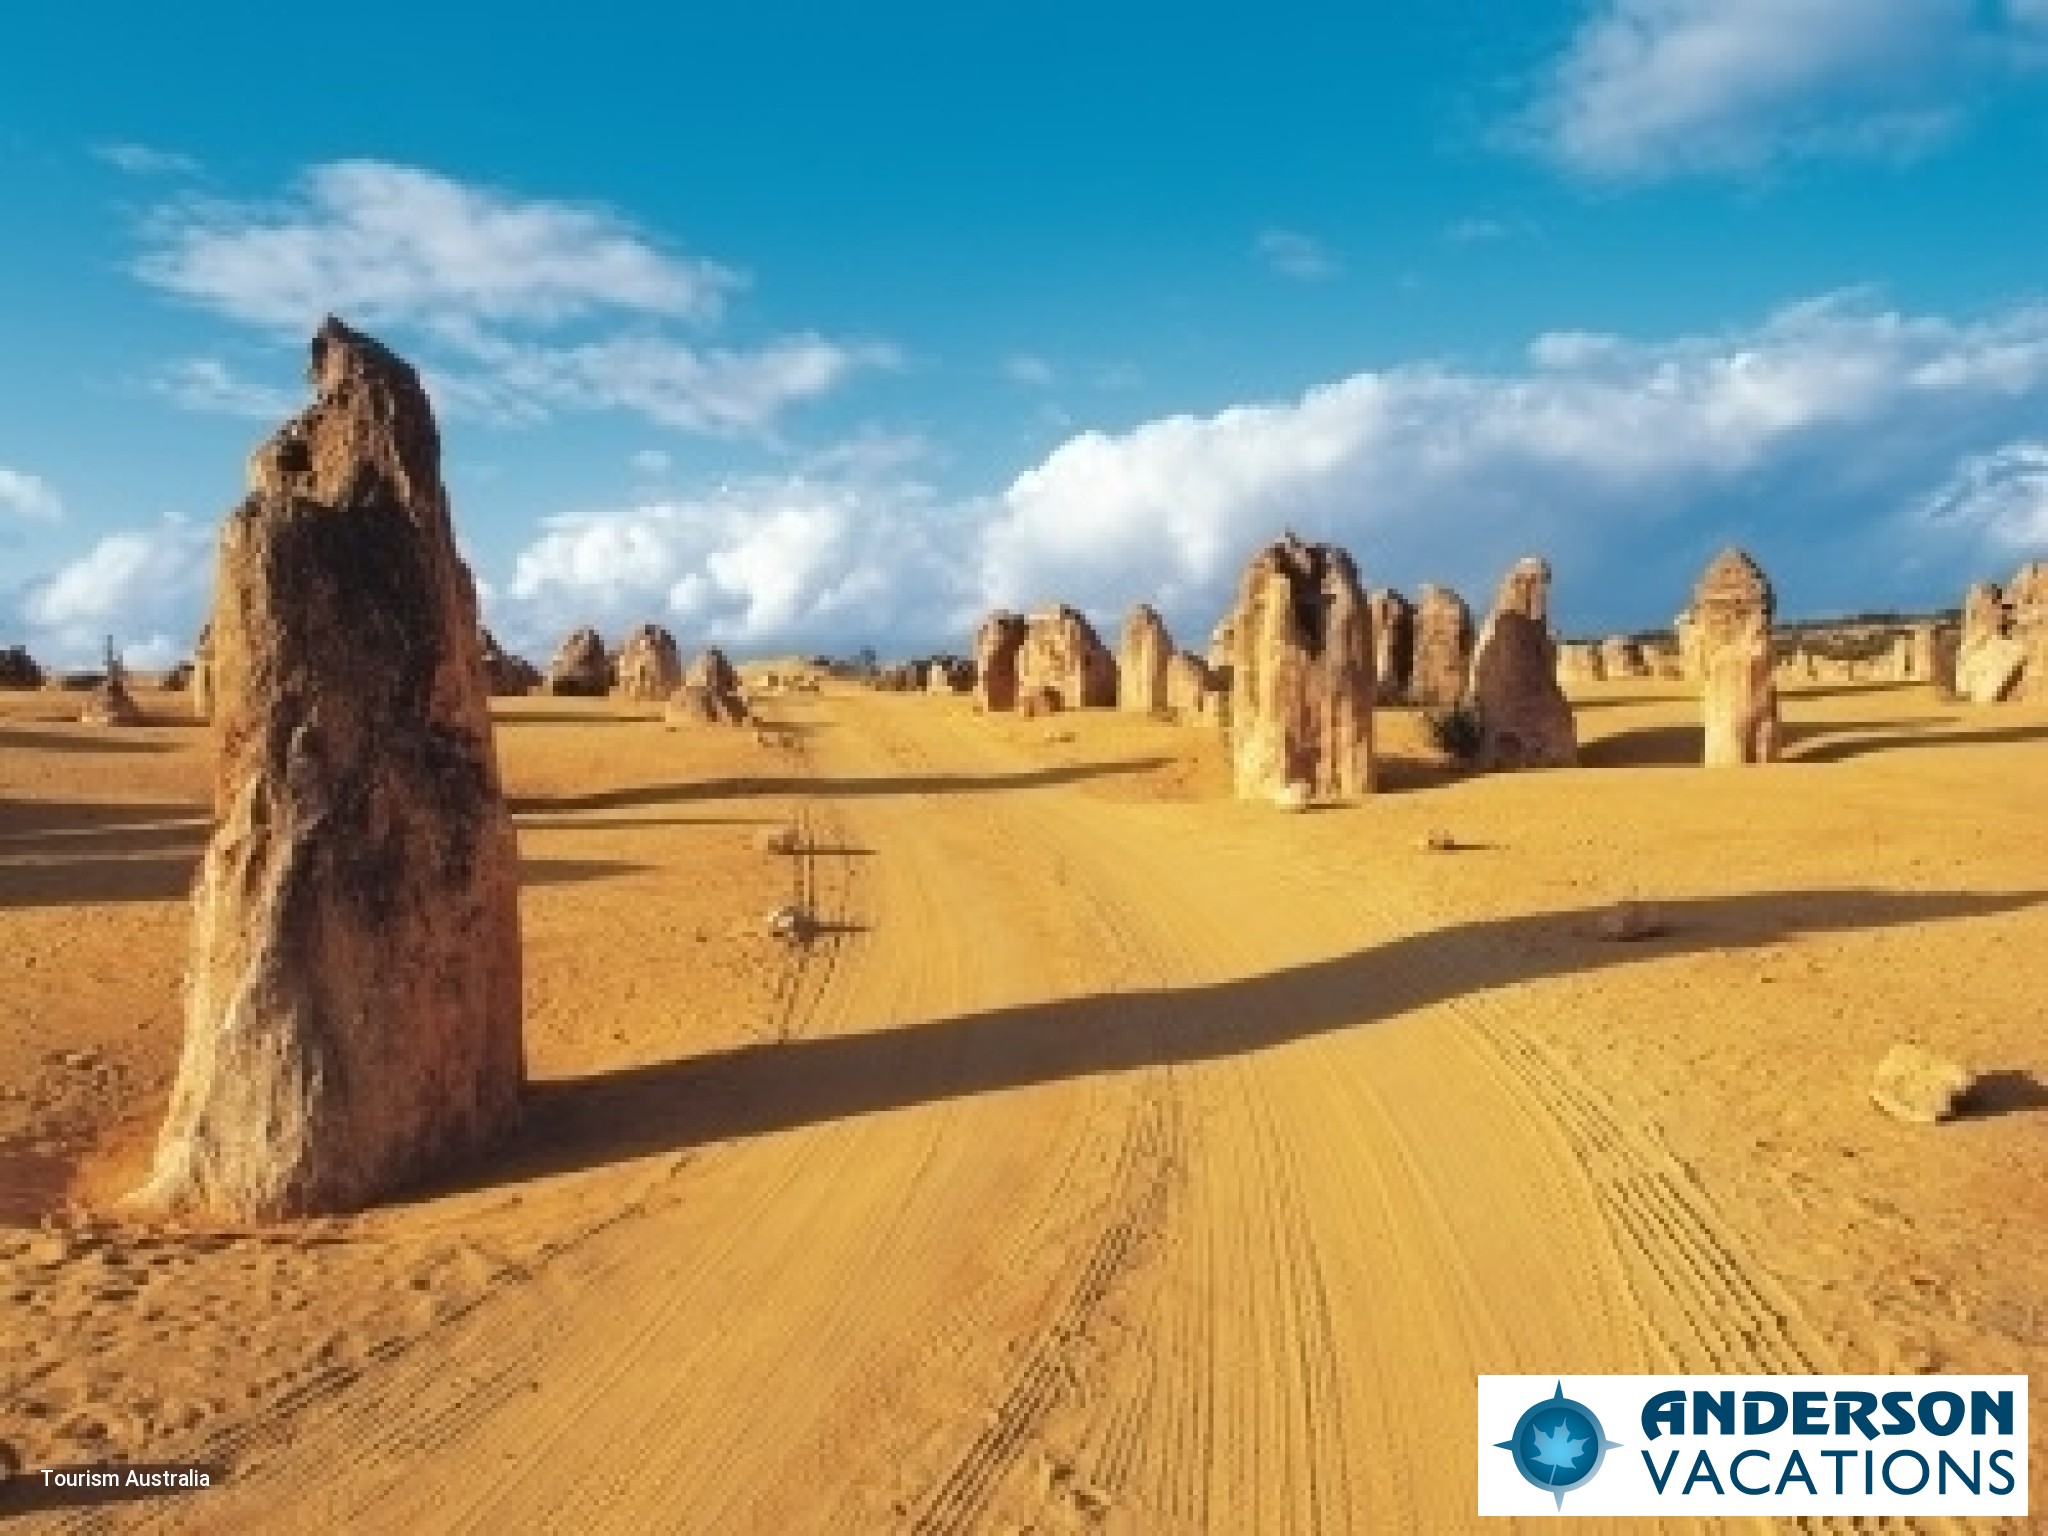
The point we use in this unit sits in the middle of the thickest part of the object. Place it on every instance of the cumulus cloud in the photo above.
(1649, 88)
(1295, 255)
(1998, 499)
(209, 385)
(28, 497)
(480, 287)
(386, 244)
(717, 391)
(144, 588)
(1615, 457)
(758, 564)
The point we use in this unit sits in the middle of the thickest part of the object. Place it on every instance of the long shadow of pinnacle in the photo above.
(758, 1089)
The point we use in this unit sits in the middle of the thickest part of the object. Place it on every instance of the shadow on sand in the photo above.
(109, 739)
(101, 875)
(757, 1089)
(887, 784)
(1806, 741)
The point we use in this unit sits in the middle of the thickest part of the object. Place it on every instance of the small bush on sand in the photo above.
(1456, 731)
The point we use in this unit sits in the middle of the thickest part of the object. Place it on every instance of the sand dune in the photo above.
(1118, 1157)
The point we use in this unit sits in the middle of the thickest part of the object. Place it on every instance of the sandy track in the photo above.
(1107, 1166)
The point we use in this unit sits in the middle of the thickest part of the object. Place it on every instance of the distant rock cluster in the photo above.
(2003, 650)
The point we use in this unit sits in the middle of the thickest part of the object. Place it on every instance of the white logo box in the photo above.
(1626, 1485)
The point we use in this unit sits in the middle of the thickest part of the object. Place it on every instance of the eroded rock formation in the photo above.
(507, 676)
(1393, 645)
(353, 986)
(581, 669)
(1731, 613)
(1621, 659)
(710, 693)
(18, 669)
(1524, 719)
(1061, 652)
(649, 666)
(1443, 647)
(1578, 662)
(1191, 689)
(996, 645)
(1302, 675)
(1142, 659)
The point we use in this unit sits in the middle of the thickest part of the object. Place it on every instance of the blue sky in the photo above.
(813, 328)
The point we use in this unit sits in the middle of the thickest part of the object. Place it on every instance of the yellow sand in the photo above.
(1117, 1158)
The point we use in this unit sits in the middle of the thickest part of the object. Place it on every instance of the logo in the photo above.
(1558, 1444)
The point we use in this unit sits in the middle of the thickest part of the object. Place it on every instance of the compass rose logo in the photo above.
(1558, 1445)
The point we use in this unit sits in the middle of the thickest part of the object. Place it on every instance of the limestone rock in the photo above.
(1579, 663)
(202, 674)
(1302, 676)
(710, 694)
(1296, 796)
(1443, 648)
(650, 667)
(1629, 922)
(111, 704)
(948, 675)
(1142, 661)
(1191, 691)
(996, 645)
(2026, 598)
(18, 669)
(1061, 652)
(352, 997)
(505, 675)
(1524, 719)
(1991, 659)
(1393, 645)
(1037, 703)
(1732, 609)
(1685, 631)
(581, 669)
(1621, 659)
(1915, 1084)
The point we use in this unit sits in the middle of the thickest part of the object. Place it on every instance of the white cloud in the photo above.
(1295, 255)
(1028, 369)
(383, 244)
(144, 160)
(1604, 456)
(1999, 499)
(755, 565)
(207, 384)
(478, 285)
(718, 391)
(652, 462)
(29, 497)
(1657, 87)
(143, 587)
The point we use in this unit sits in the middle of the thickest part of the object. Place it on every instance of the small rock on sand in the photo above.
(1627, 921)
(777, 840)
(791, 923)
(1439, 841)
(1292, 796)
(1915, 1084)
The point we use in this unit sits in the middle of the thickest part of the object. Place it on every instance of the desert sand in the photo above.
(1117, 1156)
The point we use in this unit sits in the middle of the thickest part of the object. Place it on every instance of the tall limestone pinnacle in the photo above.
(1731, 612)
(352, 995)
